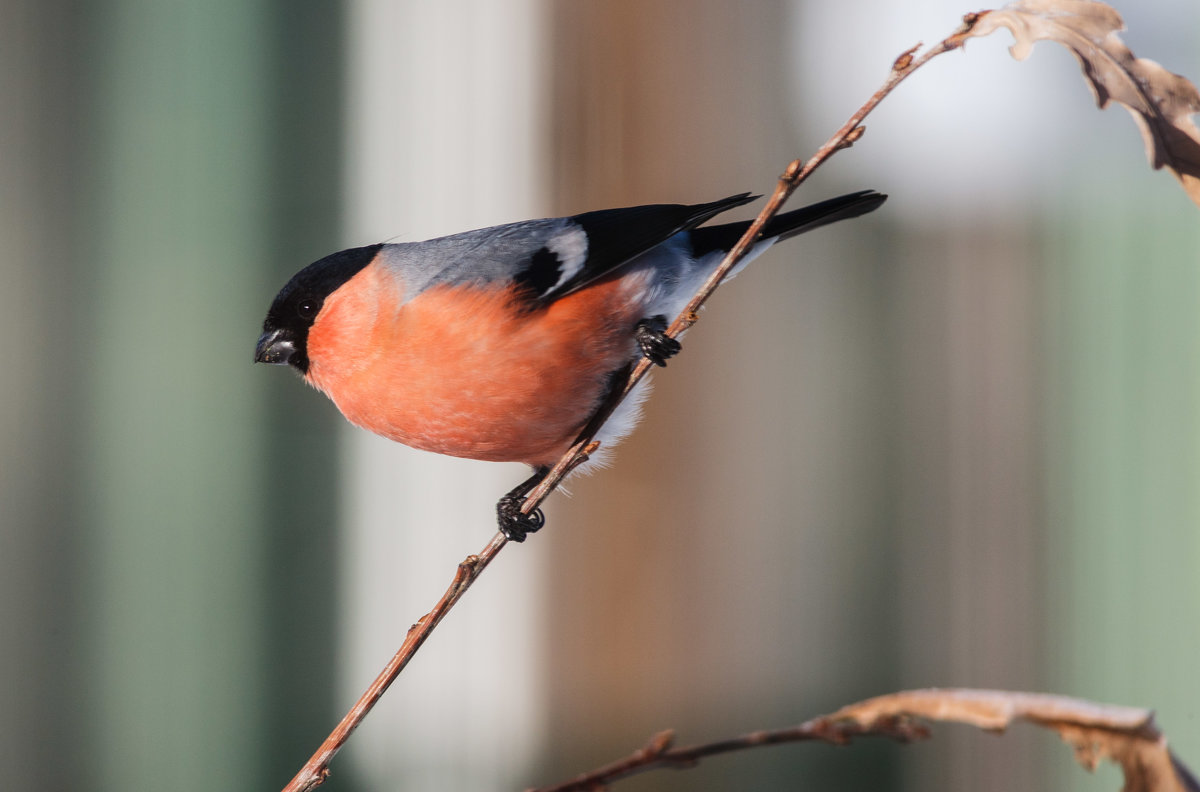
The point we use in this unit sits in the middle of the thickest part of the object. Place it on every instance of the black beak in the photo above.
(274, 346)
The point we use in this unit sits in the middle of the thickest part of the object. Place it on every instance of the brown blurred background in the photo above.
(954, 443)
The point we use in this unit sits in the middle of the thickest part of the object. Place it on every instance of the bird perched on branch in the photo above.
(500, 344)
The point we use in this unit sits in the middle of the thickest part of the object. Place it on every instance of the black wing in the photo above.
(614, 237)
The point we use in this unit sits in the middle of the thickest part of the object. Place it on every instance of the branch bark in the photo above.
(658, 753)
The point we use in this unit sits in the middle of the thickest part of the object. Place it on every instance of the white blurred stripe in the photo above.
(444, 134)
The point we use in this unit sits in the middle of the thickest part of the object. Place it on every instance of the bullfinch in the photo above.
(500, 344)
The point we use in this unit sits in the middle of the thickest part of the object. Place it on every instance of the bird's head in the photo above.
(297, 307)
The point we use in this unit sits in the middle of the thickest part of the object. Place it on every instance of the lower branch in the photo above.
(658, 753)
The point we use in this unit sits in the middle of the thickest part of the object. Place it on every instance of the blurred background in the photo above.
(954, 443)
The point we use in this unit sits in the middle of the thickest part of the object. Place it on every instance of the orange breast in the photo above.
(468, 371)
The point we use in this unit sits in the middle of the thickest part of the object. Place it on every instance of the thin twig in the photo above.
(317, 767)
(658, 753)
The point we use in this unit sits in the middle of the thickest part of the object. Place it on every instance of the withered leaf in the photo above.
(1160, 102)
(1125, 735)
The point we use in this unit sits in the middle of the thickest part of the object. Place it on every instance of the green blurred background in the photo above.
(955, 443)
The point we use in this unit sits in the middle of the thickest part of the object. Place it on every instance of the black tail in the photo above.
(710, 239)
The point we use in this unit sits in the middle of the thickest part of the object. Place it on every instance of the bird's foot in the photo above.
(513, 523)
(652, 339)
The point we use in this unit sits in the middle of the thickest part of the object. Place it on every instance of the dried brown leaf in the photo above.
(1125, 735)
(1160, 102)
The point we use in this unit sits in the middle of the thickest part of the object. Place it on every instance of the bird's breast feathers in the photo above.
(468, 369)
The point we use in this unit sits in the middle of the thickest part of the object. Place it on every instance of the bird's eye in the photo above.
(307, 308)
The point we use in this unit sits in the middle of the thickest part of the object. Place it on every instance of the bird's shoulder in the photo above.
(514, 252)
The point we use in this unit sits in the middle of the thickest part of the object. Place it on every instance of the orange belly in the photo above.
(470, 372)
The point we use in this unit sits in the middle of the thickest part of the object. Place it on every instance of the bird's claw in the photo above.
(515, 524)
(652, 339)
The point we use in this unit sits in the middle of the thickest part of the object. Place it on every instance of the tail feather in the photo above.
(710, 239)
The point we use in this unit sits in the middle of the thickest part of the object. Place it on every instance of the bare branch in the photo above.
(658, 754)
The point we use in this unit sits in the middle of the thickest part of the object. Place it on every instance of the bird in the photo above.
(500, 344)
